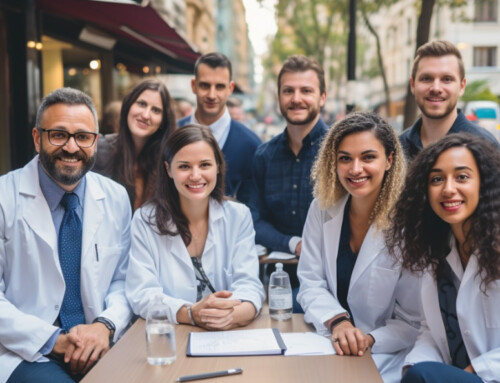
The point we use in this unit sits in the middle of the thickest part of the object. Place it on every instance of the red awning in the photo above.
(141, 24)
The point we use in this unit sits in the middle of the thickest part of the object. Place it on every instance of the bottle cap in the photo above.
(279, 266)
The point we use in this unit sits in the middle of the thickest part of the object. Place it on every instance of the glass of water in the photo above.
(160, 334)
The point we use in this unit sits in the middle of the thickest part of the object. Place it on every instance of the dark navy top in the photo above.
(346, 259)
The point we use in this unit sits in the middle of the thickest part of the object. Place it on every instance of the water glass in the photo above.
(160, 335)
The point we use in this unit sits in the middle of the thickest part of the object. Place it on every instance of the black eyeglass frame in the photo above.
(48, 131)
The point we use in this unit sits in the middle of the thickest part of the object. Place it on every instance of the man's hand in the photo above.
(66, 344)
(215, 311)
(350, 340)
(94, 344)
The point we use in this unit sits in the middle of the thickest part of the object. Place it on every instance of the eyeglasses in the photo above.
(61, 137)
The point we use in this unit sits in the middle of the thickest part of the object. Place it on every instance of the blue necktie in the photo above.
(70, 249)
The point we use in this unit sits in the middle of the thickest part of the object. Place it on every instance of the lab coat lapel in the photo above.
(215, 212)
(93, 215)
(371, 247)
(331, 234)
(432, 314)
(36, 211)
(176, 247)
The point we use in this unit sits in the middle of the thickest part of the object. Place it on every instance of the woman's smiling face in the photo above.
(453, 186)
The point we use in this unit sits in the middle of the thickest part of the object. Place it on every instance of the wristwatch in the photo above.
(190, 315)
(109, 325)
(343, 318)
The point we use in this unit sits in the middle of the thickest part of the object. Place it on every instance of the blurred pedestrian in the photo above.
(111, 118)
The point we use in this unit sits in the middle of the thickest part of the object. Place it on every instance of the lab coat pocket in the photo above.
(491, 303)
(382, 285)
(107, 258)
(228, 273)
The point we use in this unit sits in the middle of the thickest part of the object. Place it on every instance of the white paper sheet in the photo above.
(307, 343)
(279, 255)
(238, 342)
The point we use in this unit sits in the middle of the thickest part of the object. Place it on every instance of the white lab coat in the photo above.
(161, 265)
(478, 316)
(31, 282)
(381, 297)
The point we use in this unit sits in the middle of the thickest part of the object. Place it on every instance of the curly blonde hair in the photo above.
(327, 187)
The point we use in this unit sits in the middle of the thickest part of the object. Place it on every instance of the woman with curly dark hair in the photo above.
(350, 288)
(447, 225)
(131, 156)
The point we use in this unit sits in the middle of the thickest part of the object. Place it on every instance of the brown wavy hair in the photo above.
(327, 187)
(421, 239)
(167, 216)
(122, 163)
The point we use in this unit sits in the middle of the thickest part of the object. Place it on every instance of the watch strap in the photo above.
(339, 320)
(190, 315)
(109, 325)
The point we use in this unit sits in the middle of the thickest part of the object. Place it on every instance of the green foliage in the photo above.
(315, 28)
(478, 90)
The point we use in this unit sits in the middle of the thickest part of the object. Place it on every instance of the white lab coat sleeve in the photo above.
(143, 281)
(243, 273)
(401, 330)
(20, 333)
(425, 349)
(487, 365)
(117, 308)
(315, 296)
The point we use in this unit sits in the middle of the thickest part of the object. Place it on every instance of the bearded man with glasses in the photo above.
(64, 241)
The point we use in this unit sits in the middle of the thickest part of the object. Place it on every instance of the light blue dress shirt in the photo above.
(53, 194)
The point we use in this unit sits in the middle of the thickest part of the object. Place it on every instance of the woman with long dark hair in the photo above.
(447, 225)
(131, 156)
(350, 288)
(192, 247)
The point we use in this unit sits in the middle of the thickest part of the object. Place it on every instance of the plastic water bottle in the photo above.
(280, 294)
(160, 334)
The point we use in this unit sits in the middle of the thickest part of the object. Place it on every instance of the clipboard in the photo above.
(266, 341)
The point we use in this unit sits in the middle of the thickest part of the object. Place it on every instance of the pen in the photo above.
(232, 371)
(96, 253)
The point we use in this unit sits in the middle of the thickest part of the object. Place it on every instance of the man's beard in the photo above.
(311, 115)
(450, 108)
(48, 162)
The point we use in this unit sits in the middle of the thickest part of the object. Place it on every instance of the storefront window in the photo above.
(65, 64)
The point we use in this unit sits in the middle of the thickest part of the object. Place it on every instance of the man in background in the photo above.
(282, 166)
(212, 86)
(437, 81)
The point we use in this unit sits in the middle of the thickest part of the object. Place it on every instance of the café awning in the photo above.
(138, 29)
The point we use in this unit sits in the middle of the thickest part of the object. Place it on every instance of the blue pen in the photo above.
(215, 374)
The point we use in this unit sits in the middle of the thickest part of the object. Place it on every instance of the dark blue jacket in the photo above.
(238, 150)
(412, 145)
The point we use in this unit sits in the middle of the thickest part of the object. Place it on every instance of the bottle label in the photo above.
(283, 301)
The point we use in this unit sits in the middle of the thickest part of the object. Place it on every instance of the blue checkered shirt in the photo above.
(284, 189)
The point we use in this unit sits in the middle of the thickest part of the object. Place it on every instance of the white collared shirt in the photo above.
(220, 128)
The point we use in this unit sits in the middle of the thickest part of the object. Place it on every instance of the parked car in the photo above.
(486, 113)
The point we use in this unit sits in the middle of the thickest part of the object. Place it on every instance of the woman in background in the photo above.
(350, 288)
(447, 225)
(192, 247)
(131, 156)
